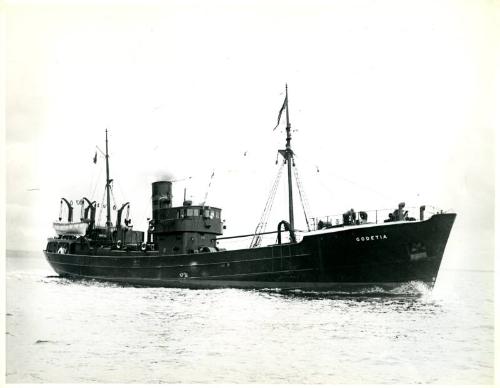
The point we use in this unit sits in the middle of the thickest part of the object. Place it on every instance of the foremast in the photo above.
(289, 159)
(287, 154)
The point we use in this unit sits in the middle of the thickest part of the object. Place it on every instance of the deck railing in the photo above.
(377, 216)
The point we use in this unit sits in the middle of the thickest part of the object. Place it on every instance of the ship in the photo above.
(183, 246)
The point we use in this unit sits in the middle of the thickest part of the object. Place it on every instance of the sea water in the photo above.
(62, 331)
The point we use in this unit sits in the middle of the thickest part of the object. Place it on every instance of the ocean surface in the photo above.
(60, 331)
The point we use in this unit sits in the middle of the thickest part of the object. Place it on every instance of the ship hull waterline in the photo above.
(385, 255)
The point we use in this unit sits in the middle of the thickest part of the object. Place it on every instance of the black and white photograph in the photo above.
(249, 192)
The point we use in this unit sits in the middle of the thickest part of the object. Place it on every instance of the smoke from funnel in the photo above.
(161, 175)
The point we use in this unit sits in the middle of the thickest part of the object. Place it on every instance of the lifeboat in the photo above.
(71, 228)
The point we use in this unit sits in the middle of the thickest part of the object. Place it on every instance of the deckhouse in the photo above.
(185, 229)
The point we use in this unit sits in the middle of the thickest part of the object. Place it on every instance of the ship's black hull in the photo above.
(383, 254)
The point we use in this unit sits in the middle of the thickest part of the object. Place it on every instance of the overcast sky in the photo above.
(390, 100)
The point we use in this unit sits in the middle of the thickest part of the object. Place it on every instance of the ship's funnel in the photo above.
(161, 198)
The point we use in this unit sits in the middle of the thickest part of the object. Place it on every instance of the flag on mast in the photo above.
(281, 111)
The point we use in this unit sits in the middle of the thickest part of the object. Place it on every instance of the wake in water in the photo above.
(82, 282)
(410, 289)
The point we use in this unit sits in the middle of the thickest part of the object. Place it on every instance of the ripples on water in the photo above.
(85, 331)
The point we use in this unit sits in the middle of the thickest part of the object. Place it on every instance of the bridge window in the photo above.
(51, 247)
(192, 212)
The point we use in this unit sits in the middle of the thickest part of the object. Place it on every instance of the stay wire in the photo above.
(101, 207)
(339, 177)
(302, 195)
(261, 226)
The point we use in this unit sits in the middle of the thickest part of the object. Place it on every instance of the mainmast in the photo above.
(108, 184)
(287, 154)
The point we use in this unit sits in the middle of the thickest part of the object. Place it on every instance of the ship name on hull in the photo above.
(372, 238)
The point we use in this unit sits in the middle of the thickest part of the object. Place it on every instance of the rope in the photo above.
(303, 198)
(261, 226)
(112, 196)
(96, 184)
(120, 189)
(340, 177)
(101, 207)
